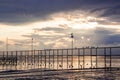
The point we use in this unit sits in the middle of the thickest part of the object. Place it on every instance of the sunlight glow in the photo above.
(89, 25)
(76, 21)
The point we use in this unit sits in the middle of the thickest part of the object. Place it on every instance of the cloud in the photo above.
(26, 11)
(111, 13)
(51, 37)
(99, 36)
(107, 36)
(60, 38)
(1, 45)
(112, 39)
(1, 42)
(54, 29)
(47, 34)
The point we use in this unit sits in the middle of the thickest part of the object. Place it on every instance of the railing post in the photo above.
(96, 59)
(21, 59)
(25, 59)
(10, 60)
(83, 58)
(53, 59)
(62, 59)
(40, 58)
(45, 60)
(67, 59)
(78, 58)
(110, 59)
(31, 58)
(6, 61)
(16, 61)
(72, 60)
(105, 58)
(57, 58)
(3, 61)
(49, 60)
(91, 58)
(28, 59)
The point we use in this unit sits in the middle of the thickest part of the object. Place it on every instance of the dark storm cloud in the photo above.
(22, 11)
(113, 39)
(110, 12)
(107, 36)
(115, 10)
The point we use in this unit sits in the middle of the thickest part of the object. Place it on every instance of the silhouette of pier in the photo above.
(61, 59)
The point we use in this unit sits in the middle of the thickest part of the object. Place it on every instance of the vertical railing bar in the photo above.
(53, 59)
(96, 58)
(16, 61)
(57, 59)
(21, 59)
(72, 60)
(105, 58)
(41, 59)
(62, 59)
(67, 58)
(11, 60)
(38, 59)
(34, 59)
(25, 59)
(83, 58)
(110, 59)
(49, 60)
(78, 58)
(3, 61)
(6, 61)
(45, 60)
(29, 58)
(91, 58)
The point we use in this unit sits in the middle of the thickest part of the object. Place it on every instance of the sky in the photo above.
(49, 23)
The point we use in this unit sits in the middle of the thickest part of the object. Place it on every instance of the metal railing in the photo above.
(58, 59)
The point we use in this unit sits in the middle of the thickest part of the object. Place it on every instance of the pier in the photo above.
(61, 59)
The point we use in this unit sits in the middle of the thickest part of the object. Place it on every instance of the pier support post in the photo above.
(96, 58)
(41, 62)
(62, 59)
(67, 58)
(45, 60)
(78, 58)
(53, 59)
(83, 58)
(57, 58)
(110, 59)
(91, 58)
(105, 58)
(3, 61)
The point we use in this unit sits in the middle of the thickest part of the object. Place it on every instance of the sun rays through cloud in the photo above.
(92, 22)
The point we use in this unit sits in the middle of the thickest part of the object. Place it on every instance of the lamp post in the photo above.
(72, 49)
